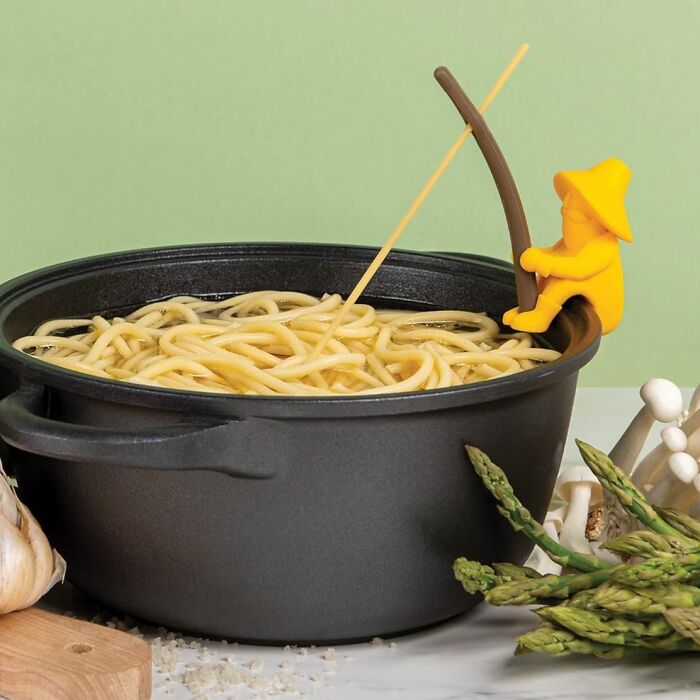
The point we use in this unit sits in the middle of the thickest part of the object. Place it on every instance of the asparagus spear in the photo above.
(604, 627)
(474, 576)
(560, 642)
(584, 600)
(513, 572)
(646, 543)
(646, 601)
(521, 519)
(658, 570)
(617, 483)
(685, 621)
(683, 522)
(528, 591)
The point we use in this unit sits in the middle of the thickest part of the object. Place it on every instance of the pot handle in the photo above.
(233, 447)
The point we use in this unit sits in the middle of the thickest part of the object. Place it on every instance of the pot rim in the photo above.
(578, 321)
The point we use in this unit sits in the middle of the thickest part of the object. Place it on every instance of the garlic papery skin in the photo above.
(28, 565)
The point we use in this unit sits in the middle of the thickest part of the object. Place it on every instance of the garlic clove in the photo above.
(16, 568)
(28, 565)
(42, 555)
(8, 500)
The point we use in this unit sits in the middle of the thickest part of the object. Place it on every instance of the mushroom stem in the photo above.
(693, 445)
(539, 559)
(694, 405)
(686, 498)
(573, 532)
(641, 476)
(652, 466)
(682, 471)
(663, 402)
(628, 448)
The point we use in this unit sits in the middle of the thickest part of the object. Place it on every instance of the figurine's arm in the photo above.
(593, 258)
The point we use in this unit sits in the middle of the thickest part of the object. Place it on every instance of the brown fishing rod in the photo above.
(526, 282)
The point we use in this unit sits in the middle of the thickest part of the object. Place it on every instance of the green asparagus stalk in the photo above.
(685, 621)
(680, 520)
(604, 627)
(646, 543)
(547, 639)
(529, 591)
(617, 483)
(658, 570)
(645, 601)
(673, 643)
(584, 600)
(474, 576)
(513, 572)
(521, 519)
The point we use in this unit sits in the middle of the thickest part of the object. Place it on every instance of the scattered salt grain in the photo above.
(392, 645)
(378, 641)
(329, 656)
(254, 664)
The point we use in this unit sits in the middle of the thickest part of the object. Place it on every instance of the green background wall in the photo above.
(131, 123)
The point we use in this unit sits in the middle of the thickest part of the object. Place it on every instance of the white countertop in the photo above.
(470, 657)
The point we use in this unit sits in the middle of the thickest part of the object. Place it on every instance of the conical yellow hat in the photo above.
(603, 187)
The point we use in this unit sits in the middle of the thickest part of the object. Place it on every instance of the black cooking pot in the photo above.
(277, 519)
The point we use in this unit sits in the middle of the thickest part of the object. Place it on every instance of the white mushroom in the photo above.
(674, 438)
(682, 469)
(539, 560)
(687, 470)
(652, 467)
(663, 402)
(579, 488)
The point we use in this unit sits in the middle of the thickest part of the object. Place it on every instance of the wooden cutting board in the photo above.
(44, 656)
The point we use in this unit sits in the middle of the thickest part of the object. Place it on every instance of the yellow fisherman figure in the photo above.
(586, 261)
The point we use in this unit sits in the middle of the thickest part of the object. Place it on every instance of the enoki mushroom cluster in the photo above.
(262, 343)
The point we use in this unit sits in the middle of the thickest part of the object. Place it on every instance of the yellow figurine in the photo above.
(586, 261)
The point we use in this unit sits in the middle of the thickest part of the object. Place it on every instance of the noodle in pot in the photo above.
(261, 343)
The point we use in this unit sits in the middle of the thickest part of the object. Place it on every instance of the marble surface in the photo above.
(469, 657)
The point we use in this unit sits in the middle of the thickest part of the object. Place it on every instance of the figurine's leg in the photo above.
(509, 315)
(549, 304)
(608, 307)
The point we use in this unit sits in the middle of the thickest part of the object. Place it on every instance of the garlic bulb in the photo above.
(28, 565)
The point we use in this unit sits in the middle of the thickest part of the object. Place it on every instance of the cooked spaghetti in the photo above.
(261, 343)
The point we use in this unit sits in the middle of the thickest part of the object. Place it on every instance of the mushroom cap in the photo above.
(572, 477)
(663, 398)
(674, 438)
(683, 466)
(556, 517)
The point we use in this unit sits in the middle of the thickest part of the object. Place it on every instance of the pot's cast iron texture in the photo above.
(270, 519)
